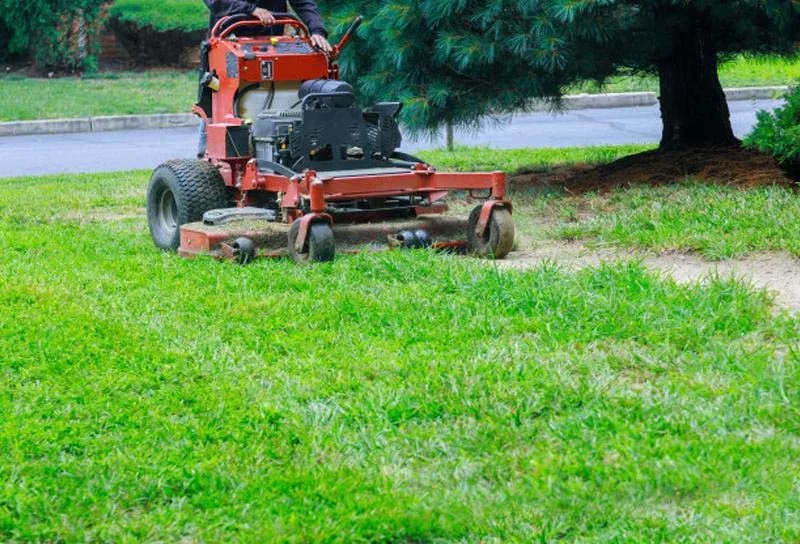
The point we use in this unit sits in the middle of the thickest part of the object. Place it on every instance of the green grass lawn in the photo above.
(479, 159)
(404, 397)
(739, 72)
(716, 221)
(105, 94)
(175, 91)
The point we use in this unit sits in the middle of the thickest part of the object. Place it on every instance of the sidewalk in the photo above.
(175, 120)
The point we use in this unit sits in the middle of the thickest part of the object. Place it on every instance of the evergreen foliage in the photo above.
(778, 133)
(162, 15)
(159, 32)
(460, 60)
(55, 33)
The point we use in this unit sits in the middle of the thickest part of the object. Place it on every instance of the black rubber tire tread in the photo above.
(321, 246)
(197, 187)
(499, 240)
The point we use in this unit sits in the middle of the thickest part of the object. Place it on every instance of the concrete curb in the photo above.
(631, 100)
(131, 122)
(98, 124)
(756, 93)
(175, 120)
(600, 101)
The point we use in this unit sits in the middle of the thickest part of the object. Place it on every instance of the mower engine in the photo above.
(272, 136)
(327, 132)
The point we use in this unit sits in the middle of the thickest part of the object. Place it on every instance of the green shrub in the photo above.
(55, 33)
(162, 15)
(778, 133)
(158, 32)
(5, 40)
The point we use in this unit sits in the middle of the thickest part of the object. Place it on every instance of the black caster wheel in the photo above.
(320, 245)
(498, 240)
(244, 250)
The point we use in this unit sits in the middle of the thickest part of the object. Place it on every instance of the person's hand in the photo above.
(264, 15)
(321, 42)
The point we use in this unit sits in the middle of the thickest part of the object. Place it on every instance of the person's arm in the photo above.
(223, 8)
(308, 12)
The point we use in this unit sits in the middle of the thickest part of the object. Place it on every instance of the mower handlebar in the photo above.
(227, 25)
(347, 35)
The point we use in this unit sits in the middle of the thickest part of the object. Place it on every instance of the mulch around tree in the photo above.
(741, 167)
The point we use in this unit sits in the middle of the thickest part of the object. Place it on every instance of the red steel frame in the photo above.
(241, 174)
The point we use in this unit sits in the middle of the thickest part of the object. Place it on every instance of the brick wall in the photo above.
(110, 49)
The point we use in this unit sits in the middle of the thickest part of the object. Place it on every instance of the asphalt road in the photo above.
(128, 150)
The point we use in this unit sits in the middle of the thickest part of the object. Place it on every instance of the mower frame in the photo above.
(305, 196)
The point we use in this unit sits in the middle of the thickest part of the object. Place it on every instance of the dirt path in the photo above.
(779, 273)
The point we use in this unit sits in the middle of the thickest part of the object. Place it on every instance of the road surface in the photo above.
(128, 150)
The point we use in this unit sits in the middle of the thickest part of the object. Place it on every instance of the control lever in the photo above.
(346, 38)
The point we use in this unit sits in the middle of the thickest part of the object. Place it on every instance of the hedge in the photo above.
(158, 32)
(162, 15)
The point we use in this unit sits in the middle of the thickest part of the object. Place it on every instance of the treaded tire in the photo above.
(499, 238)
(180, 192)
(320, 247)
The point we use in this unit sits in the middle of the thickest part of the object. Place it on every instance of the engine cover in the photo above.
(328, 132)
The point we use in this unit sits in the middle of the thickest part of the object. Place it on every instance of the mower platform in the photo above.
(269, 238)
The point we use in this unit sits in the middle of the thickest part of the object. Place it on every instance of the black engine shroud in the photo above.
(328, 132)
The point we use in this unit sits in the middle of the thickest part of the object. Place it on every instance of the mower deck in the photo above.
(270, 238)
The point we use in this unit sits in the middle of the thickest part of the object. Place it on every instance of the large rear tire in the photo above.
(180, 192)
(498, 240)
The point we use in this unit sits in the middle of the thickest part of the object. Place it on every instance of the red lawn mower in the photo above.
(287, 146)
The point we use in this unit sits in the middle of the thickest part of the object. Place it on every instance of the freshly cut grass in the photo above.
(405, 397)
(715, 220)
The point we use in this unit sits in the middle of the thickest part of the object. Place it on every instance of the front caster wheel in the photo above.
(498, 240)
(320, 246)
(244, 250)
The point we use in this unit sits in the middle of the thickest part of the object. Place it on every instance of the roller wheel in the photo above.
(180, 192)
(498, 240)
(245, 250)
(320, 245)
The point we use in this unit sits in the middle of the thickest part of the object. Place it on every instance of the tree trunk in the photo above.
(449, 137)
(83, 38)
(693, 105)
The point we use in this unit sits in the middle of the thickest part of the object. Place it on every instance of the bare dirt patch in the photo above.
(778, 273)
(728, 166)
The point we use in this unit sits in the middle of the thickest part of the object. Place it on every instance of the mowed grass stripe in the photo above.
(397, 397)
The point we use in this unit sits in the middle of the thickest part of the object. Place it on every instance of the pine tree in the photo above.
(457, 61)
